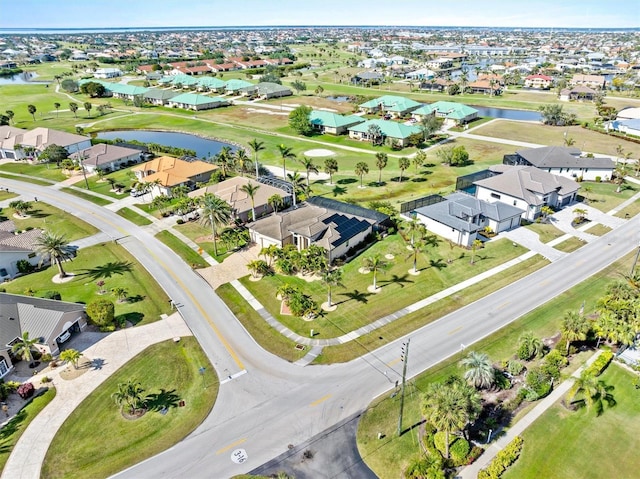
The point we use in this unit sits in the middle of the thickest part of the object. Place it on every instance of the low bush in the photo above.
(600, 364)
(553, 363)
(515, 367)
(459, 451)
(52, 295)
(46, 357)
(503, 460)
(538, 382)
(26, 390)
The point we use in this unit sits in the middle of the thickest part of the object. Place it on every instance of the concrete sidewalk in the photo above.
(471, 472)
(108, 355)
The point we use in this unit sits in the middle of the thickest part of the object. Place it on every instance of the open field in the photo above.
(169, 373)
(603, 195)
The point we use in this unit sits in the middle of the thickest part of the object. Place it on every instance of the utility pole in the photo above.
(404, 357)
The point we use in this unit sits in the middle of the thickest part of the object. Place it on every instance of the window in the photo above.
(4, 369)
(495, 195)
(32, 255)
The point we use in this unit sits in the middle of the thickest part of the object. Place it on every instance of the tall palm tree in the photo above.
(23, 347)
(225, 159)
(479, 370)
(32, 111)
(330, 167)
(275, 201)
(242, 160)
(286, 154)
(592, 392)
(54, 247)
(361, 169)
(374, 264)
(309, 167)
(403, 164)
(215, 212)
(74, 108)
(250, 189)
(419, 158)
(331, 278)
(256, 146)
(381, 163)
(574, 328)
(56, 105)
(415, 229)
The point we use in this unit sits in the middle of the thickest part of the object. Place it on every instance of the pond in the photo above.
(507, 114)
(23, 78)
(339, 98)
(203, 147)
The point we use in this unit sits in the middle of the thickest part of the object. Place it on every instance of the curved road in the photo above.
(266, 404)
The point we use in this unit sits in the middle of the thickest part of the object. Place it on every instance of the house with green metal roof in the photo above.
(193, 101)
(390, 130)
(126, 92)
(395, 106)
(212, 84)
(266, 90)
(235, 85)
(456, 113)
(159, 97)
(332, 123)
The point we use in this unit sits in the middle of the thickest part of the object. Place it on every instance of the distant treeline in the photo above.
(152, 147)
(8, 72)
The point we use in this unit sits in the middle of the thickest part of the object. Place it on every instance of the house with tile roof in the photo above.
(391, 130)
(459, 217)
(538, 82)
(16, 247)
(47, 319)
(336, 226)
(563, 161)
(451, 112)
(527, 188)
(231, 191)
(14, 140)
(486, 87)
(106, 157)
(395, 106)
(578, 93)
(165, 173)
(332, 123)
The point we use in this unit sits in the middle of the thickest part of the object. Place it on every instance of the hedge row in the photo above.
(599, 365)
(503, 460)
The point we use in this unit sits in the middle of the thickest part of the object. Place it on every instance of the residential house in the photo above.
(452, 113)
(486, 87)
(106, 157)
(421, 74)
(266, 90)
(591, 81)
(563, 161)
(367, 78)
(436, 84)
(578, 93)
(538, 82)
(440, 64)
(628, 127)
(231, 191)
(15, 248)
(336, 226)
(332, 123)
(193, 101)
(159, 97)
(51, 321)
(390, 131)
(235, 85)
(394, 106)
(459, 217)
(107, 73)
(14, 140)
(165, 173)
(125, 92)
(527, 188)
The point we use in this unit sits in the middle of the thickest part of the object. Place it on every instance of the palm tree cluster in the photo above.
(130, 396)
(618, 312)
(288, 260)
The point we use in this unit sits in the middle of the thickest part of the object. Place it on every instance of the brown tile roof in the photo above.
(172, 171)
(21, 242)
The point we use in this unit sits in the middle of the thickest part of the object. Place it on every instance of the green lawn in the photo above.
(631, 210)
(34, 181)
(202, 236)
(135, 218)
(47, 217)
(86, 196)
(184, 251)
(570, 244)
(563, 444)
(98, 441)
(598, 230)
(113, 265)
(45, 171)
(603, 195)
(6, 195)
(545, 231)
(357, 307)
(386, 457)
(124, 177)
(12, 431)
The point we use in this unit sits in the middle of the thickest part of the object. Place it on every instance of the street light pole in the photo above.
(404, 358)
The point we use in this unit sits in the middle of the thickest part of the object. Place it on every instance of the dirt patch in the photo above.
(70, 372)
(284, 309)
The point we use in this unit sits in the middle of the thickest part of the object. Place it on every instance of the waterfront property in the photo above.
(164, 173)
(332, 123)
(193, 101)
(16, 143)
(394, 106)
(390, 130)
(106, 157)
(452, 113)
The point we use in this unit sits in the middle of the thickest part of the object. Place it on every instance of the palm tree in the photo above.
(586, 190)
(331, 278)
(309, 167)
(374, 264)
(10, 114)
(257, 267)
(54, 247)
(361, 169)
(417, 248)
(479, 370)
(56, 105)
(130, 395)
(286, 154)
(120, 294)
(22, 207)
(531, 343)
(594, 393)
(74, 108)
(242, 160)
(381, 163)
(256, 146)
(574, 328)
(403, 164)
(474, 247)
(413, 227)
(330, 167)
(275, 201)
(270, 253)
(215, 212)
(419, 158)
(298, 183)
(72, 356)
(250, 189)
(225, 159)
(23, 347)
(32, 111)
(619, 173)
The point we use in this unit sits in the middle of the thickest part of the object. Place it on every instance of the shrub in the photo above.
(503, 460)
(46, 379)
(101, 313)
(52, 295)
(598, 179)
(514, 367)
(501, 381)
(12, 386)
(46, 358)
(553, 363)
(25, 391)
(475, 453)
(180, 221)
(459, 451)
(600, 364)
(523, 352)
(538, 382)
(24, 267)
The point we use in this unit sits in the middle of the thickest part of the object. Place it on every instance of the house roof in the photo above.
(236, 84)
(231, 191)
(333, 120)
(157, 94)
(40, 138)
(195, 99)
(526, 182)
(103, 154)
(37, 316)
(392, 103)
(452, 110)
(265, 88)
(22, 242)
(172, 171)
(391, 129)
(562, 157)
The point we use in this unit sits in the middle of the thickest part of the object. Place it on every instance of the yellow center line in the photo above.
(233, 444)
(394, 362)
(503, 305)
(321, 400)
(454, 331)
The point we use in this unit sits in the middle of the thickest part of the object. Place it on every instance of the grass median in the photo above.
(135, 218)
(183, 250)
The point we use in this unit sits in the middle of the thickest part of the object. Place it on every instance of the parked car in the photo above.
(136, 193)
(64, 337)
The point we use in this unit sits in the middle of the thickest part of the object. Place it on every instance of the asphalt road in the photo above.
(276, 404)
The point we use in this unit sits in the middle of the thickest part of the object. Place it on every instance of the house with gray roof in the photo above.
(266, 90)
(333, 123)
(336, 226)
(38, 139)
(459, 217)
(16, 247)
(563, 161)
(53, 322)
(451, 112)
(527, 188)
(106, 157)
(159, 97)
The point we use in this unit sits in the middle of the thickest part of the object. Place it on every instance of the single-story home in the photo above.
(332, 123)
(539, 82)
(455, 113)
(47, 319)
(390, 130)
(159, 97)
(336, 226)
(459, 217)
(15, 248)
(421, 74)
(266, 90)
(629, 127)
(38, 139)
(527, 188)
(165, 173)
(106, 157)
(440, 63)
(578, 93)
(485, 87)
(125, 92)
(396, 106)
(235, 85)
(563, 161)
(193, 101)
(367, 78)
(212, 84)
(231, 191)
(107, 73)
(591, 81)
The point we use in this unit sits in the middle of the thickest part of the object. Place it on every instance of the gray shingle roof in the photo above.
(562, 157)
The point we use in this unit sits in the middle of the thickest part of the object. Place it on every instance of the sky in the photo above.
(177, 13)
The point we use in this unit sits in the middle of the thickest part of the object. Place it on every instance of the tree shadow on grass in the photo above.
(108, 270)
(346, 181)
(162, 400)
(133, 318)
(438, 264)
(135, 299)
(338, 190)
(355, 295)
(418, 179)
(399, 280)
(13, 425)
